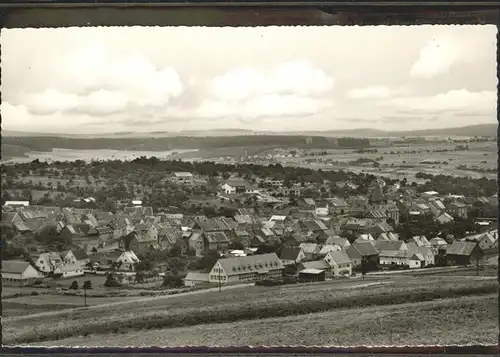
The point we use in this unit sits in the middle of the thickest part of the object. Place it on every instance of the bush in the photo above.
(111, 282)
(74, 285)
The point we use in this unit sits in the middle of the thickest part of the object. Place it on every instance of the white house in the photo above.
(17, 203)
(18, 272)
(183, 178)
(127, 260)
(195, 278)
(340, 262)
(48, 262)
(416, 261)
(69, 270)
(246, 269)
(228, 189)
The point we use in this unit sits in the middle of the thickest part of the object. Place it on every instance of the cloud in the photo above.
(451, 101)
(296, 78)
(94, 82)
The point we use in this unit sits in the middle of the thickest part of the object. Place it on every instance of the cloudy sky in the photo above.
(91, 80)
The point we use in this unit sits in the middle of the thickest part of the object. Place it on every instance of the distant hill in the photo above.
(471, 130)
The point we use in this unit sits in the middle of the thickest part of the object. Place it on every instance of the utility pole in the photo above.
(220, 282)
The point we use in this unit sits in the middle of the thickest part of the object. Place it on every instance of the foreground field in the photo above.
(458, 321)
(239, 304)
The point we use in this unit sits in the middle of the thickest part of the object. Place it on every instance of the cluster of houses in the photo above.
(329, 237)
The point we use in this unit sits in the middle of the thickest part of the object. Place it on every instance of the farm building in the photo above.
(364, 252)
(311, 275)
(196, 278)
(463, 253)
(416, 261)
(18, 272)
(321, 265)
(246, 269)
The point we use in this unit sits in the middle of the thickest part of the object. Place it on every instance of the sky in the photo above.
(141, 79)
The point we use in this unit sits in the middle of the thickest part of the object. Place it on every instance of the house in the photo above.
(233, 186)
(338, 206)
(363, 253)
(127, 261)
(16, 203)
(139, 241)
(390, 258)
(47, 262)
(311, 250)
(196, 278)
(18, 272)
(397, 245)
(463, 253)
(420, 241)
(68, 271)
(438, 244)
(416, 261)
(428, 255)
(311, 275)
(437, 207)
(321, 265)
(325, 248)
(183, 178)
(458, 209)
(216, 241)
(444, 218)
(290, 256)
(10, 218)
(364, 238)
(343, 243)
(246, 269)
(388, 236)
(487, 242)
(420, 207)
(340, 262)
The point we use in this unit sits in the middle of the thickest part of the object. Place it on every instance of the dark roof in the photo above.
(461, 248)
(364, 248)
(289, 253)
(216, 237)
(339, 257)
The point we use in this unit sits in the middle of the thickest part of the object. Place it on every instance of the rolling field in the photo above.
(231, 306)
(458, 321)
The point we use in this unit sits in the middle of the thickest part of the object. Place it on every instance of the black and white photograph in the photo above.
(249, 186)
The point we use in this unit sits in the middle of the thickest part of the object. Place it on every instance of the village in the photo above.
(275, 241)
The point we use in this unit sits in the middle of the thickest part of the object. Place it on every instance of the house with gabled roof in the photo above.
(420, 241)
(196, 243)
(325, 248)
(320, 265)
(458, 209)
(363, 252)
(18, 273)
(463, 253)
(216, 240)
(438, 244)
(343, 243)
(246, 269)
(340, 262)
(47, 262)
(140, 242)
(290, 256)
(127, 261)
(444, 218)
(416, 261)
(388, 236)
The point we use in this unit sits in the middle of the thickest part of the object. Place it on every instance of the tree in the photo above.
(207, 262)
(87, 285)
(144, 265)
(111, 281)
(74, 285)
(172, 280)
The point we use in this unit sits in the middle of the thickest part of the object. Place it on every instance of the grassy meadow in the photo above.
(239, 304)
(458, 321)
